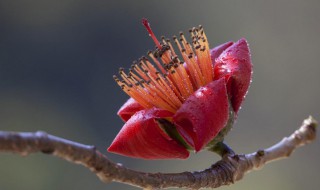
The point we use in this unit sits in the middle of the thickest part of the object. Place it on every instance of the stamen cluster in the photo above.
(168, 82)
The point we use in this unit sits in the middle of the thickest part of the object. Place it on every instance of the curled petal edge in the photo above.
(142, 137)
(216, 51)
(130, 107)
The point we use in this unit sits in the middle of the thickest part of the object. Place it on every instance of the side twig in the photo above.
(226, 171)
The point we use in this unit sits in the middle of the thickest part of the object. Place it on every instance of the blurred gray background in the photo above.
(57, 59)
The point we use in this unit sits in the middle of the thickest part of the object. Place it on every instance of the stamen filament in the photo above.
(159, 90)
(157, 62)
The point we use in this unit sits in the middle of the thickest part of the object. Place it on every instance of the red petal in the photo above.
(203, 114)
(141, 137)
(235, 64)
(216, 51)
(129, 108)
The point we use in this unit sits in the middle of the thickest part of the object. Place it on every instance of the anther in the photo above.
(175, 59)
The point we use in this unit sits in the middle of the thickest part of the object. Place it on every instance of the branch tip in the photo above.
(310, 121)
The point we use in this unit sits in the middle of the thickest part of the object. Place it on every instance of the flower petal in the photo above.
(216, 51)
(141, 137)
(129, 108)
(203, 114)
(235, 65)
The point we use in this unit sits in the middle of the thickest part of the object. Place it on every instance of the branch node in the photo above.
(260, 153)
(236, 157)
(41, 134)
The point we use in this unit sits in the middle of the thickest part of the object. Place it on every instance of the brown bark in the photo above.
(229, 169)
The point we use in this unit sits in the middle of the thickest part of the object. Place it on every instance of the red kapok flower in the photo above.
(177, 106)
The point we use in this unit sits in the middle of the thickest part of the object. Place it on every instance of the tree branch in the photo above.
(229, 169)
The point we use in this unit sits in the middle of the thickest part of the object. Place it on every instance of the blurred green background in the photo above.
(57, 59)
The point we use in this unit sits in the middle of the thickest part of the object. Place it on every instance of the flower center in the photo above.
(169, 82)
